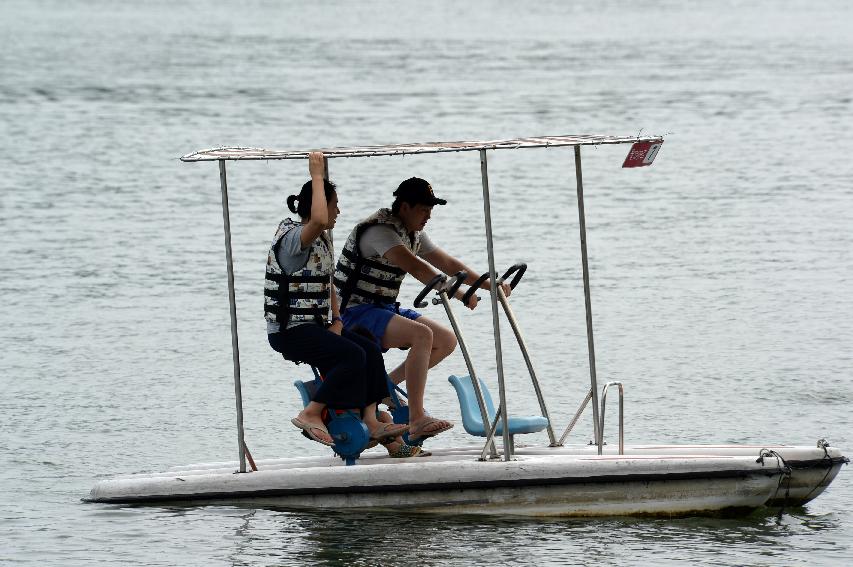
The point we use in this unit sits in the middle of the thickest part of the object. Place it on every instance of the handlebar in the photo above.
(456, 281)
(521, 267)
(419, 300)
(474, 287)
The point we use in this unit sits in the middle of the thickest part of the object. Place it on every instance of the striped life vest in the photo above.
(371, 279)
(304, 294)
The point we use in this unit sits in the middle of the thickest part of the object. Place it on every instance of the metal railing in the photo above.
(599, 431)
(621, 417)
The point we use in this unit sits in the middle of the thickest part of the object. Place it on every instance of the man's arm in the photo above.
(401, 257)
(450, 265)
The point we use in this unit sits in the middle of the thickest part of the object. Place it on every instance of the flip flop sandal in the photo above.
(307, 430)
(389, 430)
(432, 433)
(405, 451)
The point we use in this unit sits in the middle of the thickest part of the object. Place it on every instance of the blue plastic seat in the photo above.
(472, 419)
(306, 390)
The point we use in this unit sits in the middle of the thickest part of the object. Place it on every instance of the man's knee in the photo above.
(420, 335)
(444, 341)
(450, 341)
(408, 334)
(425, 334)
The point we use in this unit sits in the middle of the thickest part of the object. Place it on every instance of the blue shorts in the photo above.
(374, 317)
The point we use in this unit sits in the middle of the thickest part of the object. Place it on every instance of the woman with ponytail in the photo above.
(303, 320)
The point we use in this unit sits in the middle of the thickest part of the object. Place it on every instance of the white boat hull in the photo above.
(455, 482)
(812, 469)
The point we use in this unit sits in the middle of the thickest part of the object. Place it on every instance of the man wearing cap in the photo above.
(378, 254)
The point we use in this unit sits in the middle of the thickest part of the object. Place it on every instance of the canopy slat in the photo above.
(237, 153)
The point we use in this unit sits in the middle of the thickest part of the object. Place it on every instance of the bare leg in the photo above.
(443, 343)
(369, 417)
(402, 332)
(443, 340)
(419, 338)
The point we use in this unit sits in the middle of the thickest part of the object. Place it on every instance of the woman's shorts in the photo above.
(374, 317)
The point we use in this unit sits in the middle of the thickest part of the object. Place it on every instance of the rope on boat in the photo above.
(786, 474)
(822, 444)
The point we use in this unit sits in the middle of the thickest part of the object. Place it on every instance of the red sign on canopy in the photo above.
(642, 154)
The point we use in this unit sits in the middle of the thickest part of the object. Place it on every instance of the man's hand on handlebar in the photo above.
(507, 289)
(472, 301)
(504, 286)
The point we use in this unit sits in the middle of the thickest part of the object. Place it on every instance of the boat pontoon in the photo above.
(553, 479)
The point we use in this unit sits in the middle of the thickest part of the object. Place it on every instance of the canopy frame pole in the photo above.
(235, 348)
(329, 230)
(587, 301)
(493, 277)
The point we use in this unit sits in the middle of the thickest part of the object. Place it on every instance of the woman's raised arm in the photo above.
(319, 218)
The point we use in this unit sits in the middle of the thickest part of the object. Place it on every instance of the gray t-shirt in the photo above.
(291, 257)
(379, 239)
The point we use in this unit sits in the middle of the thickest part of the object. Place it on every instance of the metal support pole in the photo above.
(329, 230)
(513, 322)
(493, 277)
(587, 301)
(575, 418)
(491, 435)
(235, 348)
(475, 382)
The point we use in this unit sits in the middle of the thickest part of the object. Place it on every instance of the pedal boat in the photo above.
(552, 479)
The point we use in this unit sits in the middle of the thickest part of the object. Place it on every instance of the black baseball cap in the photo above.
(417, 191)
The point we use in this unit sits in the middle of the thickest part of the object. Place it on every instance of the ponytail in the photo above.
(291, 203)
(304, 198)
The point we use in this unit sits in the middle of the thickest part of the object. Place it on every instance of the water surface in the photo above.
(721, 276)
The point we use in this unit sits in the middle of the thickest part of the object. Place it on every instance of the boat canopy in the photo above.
(237, 153)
